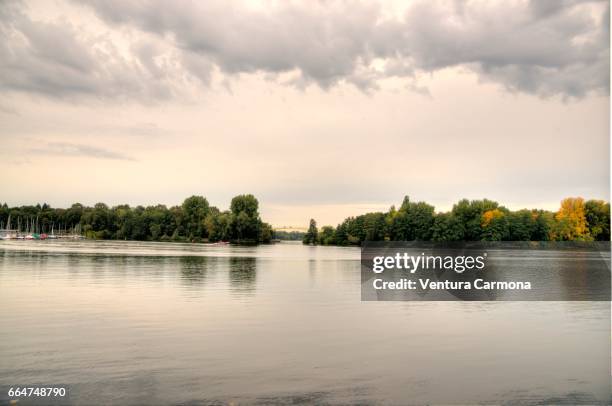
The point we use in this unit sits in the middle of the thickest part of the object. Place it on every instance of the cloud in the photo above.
(540, 47)
(61, 59)
(79, 150)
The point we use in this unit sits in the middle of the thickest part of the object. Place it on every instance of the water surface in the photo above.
(156, 323)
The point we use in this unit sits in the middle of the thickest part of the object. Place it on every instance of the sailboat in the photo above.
(52, 236)
(29, 230)
(7, 231)
(19, 235)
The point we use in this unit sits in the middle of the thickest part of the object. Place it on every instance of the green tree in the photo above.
(155, 230)
(469, 213)
(289, 235)
(413, 221)
(265, 233)
(374, 227)
(341, 234)
(521, 225)
(543, 224)
(327, 236)
(245, 203)
(494, 225)
(218, 225)
(597, 213)
(195, 209)
(311, 236)
(245, 224)
(447, 227)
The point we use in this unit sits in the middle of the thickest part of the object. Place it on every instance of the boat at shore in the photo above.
(34, 231)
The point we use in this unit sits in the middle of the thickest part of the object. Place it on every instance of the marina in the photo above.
(31, 229)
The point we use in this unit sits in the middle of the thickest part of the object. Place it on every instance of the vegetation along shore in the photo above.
(196, 221)
(470, 220)
(193, 221)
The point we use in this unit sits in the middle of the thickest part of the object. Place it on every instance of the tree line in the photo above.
(288, 235)
(193, 221)
(470, 220)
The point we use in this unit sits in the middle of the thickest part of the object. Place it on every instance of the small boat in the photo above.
(52, 236)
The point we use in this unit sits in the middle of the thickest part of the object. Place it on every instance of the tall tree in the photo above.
(195, 209)
(311, 236)
(245, 224)
(413, 221)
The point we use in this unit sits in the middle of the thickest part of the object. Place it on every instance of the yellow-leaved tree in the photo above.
(490, 215)
(571, 223)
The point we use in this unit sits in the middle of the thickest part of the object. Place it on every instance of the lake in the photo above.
(167, 323)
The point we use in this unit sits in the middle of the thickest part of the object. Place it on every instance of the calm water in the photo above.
(154, 323)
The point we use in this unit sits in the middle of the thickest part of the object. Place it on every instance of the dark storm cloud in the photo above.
(541, 47)
(79, 150)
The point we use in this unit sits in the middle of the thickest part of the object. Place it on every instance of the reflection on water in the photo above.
(155, 323)
(194, 270)
(558, 271)
(242, 274)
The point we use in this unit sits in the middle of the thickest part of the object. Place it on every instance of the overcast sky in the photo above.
(320, 109)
